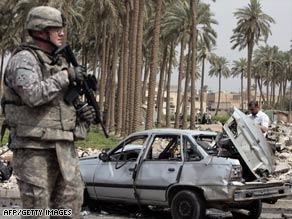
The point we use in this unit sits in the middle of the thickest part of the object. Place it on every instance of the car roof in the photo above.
(175, 131)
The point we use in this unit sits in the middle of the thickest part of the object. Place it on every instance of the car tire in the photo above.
(93, 205)
(188, 205)
(254, 211)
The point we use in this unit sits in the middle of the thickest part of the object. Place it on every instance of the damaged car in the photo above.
(187, 171)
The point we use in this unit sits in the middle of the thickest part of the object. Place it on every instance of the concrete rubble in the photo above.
(280, 139)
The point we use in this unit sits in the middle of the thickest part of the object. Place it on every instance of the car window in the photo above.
(128, 150)
(165, 148)
(192, 153)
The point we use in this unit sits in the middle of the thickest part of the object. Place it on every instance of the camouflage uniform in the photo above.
(42, 129)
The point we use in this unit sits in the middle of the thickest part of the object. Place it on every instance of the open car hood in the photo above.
(250, 143)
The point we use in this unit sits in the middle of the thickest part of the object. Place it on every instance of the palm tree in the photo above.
(138, 83)
(239, 69)
(287, 65)
(204, 52)
(219, 69)
(253, 25)
(132, 68)
(193, 31)
(179, 19)
(267, 57)
(161, 85)
(153, 70)
(180, 77)
(169, 71)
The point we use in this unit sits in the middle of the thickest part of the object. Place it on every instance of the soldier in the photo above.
(42, 125)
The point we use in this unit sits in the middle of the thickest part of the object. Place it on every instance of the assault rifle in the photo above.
(87, 87)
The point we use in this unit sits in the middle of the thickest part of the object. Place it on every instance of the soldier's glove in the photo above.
(87, 113)
(77, 74)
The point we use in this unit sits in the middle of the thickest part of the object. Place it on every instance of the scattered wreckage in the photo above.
(188, 171)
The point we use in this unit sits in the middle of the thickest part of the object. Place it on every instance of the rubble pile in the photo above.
(280, 139)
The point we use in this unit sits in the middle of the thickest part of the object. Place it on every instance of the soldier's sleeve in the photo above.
(25, 78)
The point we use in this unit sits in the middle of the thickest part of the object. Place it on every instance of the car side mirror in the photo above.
(103, 156)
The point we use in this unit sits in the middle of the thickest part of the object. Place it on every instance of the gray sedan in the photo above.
(187, 171)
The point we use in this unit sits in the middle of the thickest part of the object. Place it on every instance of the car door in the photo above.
(160, 167)
(113, 178)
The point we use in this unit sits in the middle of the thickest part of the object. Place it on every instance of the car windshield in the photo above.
(129, 149)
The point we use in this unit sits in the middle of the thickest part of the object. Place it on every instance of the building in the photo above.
(228, 100)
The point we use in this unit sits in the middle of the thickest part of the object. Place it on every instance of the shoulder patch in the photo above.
(23, 77)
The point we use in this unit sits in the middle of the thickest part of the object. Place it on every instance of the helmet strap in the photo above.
(48, 40)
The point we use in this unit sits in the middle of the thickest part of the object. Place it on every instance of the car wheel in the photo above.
(251, 211)
(93, 205)
(188, 205)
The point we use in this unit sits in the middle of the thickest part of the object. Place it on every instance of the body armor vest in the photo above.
(52, 121)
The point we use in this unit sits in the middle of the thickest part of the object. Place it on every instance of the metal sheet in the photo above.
(250, 143)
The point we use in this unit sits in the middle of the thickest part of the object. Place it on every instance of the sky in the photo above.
(279, 10)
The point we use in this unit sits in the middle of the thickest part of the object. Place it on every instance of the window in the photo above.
(165, 148)
(192, 154)
(129, 150)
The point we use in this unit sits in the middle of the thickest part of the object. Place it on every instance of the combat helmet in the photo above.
(41, 17)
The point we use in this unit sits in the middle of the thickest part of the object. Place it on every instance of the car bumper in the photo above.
(249, 194)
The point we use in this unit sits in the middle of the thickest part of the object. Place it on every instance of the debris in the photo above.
(86, 152)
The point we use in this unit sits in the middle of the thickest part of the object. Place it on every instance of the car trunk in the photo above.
(247, 143)
(242, 139)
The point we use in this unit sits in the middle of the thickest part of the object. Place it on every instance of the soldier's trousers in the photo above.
(49, 179)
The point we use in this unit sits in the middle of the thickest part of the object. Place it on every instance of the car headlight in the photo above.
(236, 173)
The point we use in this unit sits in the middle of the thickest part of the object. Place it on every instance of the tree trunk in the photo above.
(125, 70)
(160, 93)
(249, 65)
(260, 83)
(154, 64)
(180, 75)
(241, 90)
(219, 95)
(145, 81)
(2, 72)
(273, 89)
(202, 87)
(139, 65)
(102, 72)
(284, 92)
(193, 64)
(95, 59)
(187, 81)
(65, 11)
(113, 84)
(279, 94)
(108, 73)
(168, 86)
(268, 92)
(290, 98)
(133, 67)
(120, 102)
(255, 89)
